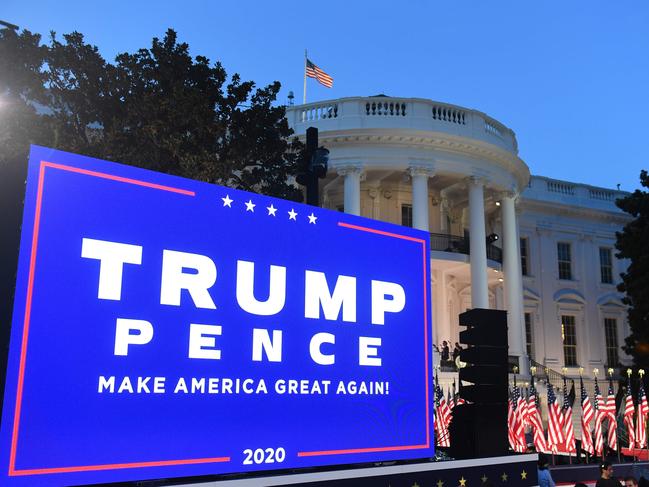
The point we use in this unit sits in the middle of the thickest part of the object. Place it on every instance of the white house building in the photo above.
(455, 172)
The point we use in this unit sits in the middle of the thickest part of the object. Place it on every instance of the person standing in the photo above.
(606, 476)
(545, 478)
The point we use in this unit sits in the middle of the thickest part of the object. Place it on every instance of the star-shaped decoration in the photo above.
(227, 201)
(524, 475)
(271, 210)
(504, 477)
(440, 483)
(250, 206)
(463, 482)
(292, 215)
(312, 218)
(484, 478)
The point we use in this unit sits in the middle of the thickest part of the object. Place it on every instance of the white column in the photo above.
(352, 187)
(478, 245)
(420, 175)
(513, 282)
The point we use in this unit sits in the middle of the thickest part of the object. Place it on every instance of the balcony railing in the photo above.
(453, 243)
(379, 112)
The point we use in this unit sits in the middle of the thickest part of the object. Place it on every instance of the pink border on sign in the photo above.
(398, 447)
(23, 349)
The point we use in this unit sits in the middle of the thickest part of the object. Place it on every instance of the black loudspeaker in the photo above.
(479, 427)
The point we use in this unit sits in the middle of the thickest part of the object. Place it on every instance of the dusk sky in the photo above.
(570, 78)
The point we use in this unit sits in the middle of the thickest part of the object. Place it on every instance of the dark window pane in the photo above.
(569, 336)
(406, 215)
(528, 335)
(565, 260)
(610, 335)
(606, 265)
(524, 256)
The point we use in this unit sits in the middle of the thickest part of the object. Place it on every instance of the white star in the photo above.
(312, 218)
(271, 210)
(227, 201)
(250, 206)
(292, 215)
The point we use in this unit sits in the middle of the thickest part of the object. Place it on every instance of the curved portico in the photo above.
(444, 169)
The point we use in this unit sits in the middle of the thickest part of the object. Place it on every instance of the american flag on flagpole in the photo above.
(611, 414)
(313, 71)
(534, 415)
(587, 415)
(458, 401)
(519, 418)
(442, 417)
(629, 412)
(566, 414)
(450, 401)
(510, 421)
(555, 433)
(641, 421)
(600, 414)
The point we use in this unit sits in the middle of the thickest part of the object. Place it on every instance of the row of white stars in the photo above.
(250, 206)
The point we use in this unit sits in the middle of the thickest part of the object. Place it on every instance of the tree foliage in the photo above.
(633, 244)
(158, 108)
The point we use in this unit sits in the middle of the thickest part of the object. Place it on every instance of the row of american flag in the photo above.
(599, 419)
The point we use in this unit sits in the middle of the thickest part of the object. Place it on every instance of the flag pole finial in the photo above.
(629, 372)
(595, 372)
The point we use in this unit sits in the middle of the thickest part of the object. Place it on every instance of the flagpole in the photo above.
(305, 59)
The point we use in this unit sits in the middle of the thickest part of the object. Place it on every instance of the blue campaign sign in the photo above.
(165, 327)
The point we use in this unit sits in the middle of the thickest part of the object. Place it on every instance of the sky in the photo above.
(571, 78)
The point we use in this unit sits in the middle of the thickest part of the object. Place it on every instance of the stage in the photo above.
(513, 470)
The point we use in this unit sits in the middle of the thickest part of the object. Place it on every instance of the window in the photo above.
(528, 334)
(569, 338)
(524, 256)
(605, 265)
(610, 335)
(406, 215)
(565, 260)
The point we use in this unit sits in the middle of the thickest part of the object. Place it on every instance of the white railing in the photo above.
(601, 194)
(385, 108)
(494, 128)
(311, 113)
(384, 112)
(449, 114)
(561, 187)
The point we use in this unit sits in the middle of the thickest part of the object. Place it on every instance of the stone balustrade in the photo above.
(401, 113)
(582, 195)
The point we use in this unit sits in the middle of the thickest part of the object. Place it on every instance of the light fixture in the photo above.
(492, 238)
(497, 203)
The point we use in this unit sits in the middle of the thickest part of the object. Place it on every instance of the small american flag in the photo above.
(629, 411)
(641, 422)
(442, 417)
(587, 415)
(313, 71)
(569, 432)
(599, 419)
(611, 413)
(540, 443)
(510, 421)
(519, 419)
(555, 433)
